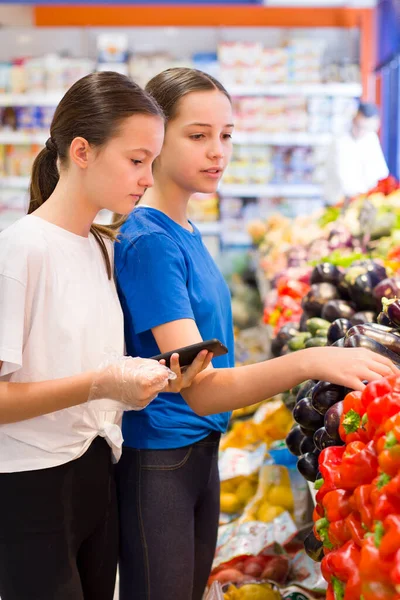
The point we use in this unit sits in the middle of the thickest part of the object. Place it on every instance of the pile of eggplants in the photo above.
(362, 308)
(342, 297)
(317, 413)
(319, 405)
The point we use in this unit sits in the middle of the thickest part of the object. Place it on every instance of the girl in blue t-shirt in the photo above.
(173, 295)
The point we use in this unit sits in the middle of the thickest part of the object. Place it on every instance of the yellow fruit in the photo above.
(252, 591)
(267, 512)
(232, 593)
(228, 487)
(229, 503)
(245, 491)
(281, 496)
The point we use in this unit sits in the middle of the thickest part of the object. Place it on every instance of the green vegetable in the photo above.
(315, 342)
(316, 324)
(298, 342)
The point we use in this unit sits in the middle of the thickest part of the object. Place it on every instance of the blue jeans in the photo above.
(169, 512)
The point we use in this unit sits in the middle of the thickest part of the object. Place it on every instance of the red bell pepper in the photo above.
(361, 502)
(359, 465)
(385, 506)
(376, 590)
(339, 533)
(395, 572)
(383, 407)
(353, 587)
(372, 567)
(329, 461)
(390, 542)
(336, 504)
(351, 428)
(374, 390)
(342, 563)
(354, 526)
(389, 457)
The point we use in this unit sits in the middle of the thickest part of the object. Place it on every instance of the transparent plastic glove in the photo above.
(133, 381)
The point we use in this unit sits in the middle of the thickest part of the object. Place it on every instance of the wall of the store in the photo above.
(11, 14)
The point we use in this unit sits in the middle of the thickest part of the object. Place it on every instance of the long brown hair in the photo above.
(93, 108)
(168, 87)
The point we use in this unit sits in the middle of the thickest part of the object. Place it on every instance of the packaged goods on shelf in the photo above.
(50, 73)
(299, 61)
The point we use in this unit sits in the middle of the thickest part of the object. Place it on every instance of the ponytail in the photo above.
(45, 176)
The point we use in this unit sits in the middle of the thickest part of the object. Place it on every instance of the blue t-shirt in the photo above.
(165, 273)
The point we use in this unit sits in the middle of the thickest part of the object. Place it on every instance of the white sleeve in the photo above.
(12, 316)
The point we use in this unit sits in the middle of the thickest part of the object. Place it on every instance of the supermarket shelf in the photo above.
(271, 191)
(349, 90)
(209, 228)
(23, 137)
(38, 99)
(21, 183)
(282, 139)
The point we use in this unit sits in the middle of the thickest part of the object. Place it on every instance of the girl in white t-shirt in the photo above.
(64, 381)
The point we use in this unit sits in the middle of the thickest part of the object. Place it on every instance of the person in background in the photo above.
(173, 295)
(355, 162)
(64, 379)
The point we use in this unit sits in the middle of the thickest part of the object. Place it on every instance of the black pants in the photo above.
(59, 530)
(169, 511)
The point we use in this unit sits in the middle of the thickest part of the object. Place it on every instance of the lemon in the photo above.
(281, 496)
(245, 491)
(267, 512)
(252, 591)
(229, 503)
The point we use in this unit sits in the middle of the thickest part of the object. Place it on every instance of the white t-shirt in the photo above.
(59, 316)
(354, 166)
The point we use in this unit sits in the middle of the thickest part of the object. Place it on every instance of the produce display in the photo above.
(357, 515)
(347, 443)
(339, 235)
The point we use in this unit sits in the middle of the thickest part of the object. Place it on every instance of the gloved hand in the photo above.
(132, 381)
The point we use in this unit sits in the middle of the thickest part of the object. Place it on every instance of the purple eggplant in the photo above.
(313, 547)
(294, 439)
(307, 465)
(332, 421)
(366, 316)
(339, 343)
(383, 319)
(325, 273)
(362, 341)
(337, 330)
(361, 292)
(325, 395)
(306, 432)
(287, 332)
(377, 270)
(318, 295)
(305, 415)
(305, 389)
(392, 309)
(307, 445)
(380, 333)
(322, 439)
(337, 309)
(388, 288)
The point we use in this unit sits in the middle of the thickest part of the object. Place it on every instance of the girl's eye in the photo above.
(197, 136)
(137, 162)
(227, 136)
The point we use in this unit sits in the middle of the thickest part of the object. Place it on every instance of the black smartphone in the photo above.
(189, 353)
